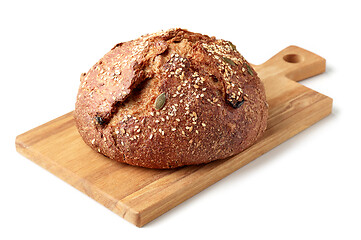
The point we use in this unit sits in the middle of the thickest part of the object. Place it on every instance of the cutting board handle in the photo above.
(294, 63)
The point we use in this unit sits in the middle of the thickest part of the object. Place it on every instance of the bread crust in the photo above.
(214, 103)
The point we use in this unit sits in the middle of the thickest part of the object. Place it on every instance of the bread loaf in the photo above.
(170, 99)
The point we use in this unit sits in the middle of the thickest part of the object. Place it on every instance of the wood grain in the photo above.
(140, 195)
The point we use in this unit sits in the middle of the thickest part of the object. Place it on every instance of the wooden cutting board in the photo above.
(140, 195)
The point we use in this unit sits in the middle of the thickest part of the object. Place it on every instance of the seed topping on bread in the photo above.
(170, 99)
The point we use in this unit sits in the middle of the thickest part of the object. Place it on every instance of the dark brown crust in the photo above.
(215, 103)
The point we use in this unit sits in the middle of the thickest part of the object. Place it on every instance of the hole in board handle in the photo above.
(292, 58)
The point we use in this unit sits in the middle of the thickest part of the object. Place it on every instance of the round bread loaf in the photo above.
(170, 99)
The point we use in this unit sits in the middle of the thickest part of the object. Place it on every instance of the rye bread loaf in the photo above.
(170, 99)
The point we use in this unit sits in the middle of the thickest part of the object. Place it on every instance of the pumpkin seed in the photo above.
(159, 101)
(229, 61)
(249, 69)
(232, 46)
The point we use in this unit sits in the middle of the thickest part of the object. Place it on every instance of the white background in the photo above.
(307, 188)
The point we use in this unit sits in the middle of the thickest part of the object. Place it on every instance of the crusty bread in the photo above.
(170, 99)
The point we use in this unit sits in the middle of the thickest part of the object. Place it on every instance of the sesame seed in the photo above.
(136, 127)
(203, 124)
(204, 89)
(173, 129)
(177, 119)
(116, 132)
(93, 141)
